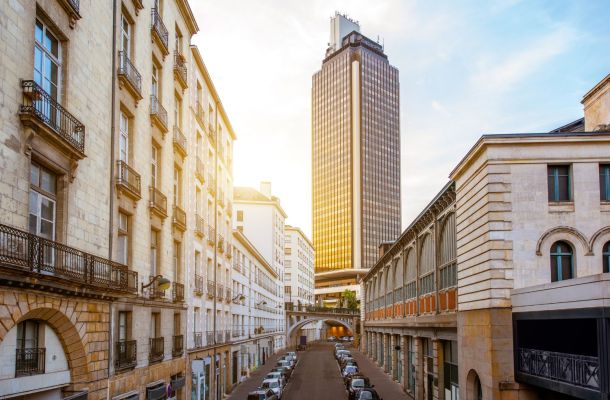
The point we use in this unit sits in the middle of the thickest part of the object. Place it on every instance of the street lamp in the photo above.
(163, 283)
(262, 303)
(239, 297)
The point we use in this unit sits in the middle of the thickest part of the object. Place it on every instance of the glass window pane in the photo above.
(38, 31)
(47, 209)
(34, 175)
(33, 224)
(47, 181)
(46, 229)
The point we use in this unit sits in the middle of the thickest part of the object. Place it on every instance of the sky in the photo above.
(467, 68)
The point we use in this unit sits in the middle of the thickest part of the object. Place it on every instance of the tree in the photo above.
(349, 299)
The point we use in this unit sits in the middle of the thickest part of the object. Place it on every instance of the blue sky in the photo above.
(467, 68)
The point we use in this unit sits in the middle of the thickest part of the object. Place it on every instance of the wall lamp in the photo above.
(262, 303)
(163, 284)
(239, 297)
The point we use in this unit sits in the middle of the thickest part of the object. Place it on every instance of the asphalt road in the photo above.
(316, 376)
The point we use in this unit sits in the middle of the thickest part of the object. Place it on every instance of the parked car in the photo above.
(340, 353)
(355, 384)
(332, 338)
(287, 357)
(277, 375)
(285, 363)
(349, 370)
(293, 354)
(273, 384)
(367, 394)
(347, 361)
(284, 371)
(345, 339)
(262, 394)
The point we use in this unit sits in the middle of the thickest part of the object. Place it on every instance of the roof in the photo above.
(574, 126)
(596, 89)
(243, 194)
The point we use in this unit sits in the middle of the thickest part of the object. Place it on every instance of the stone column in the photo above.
(437, 354)
(405, 361)
(394, 371)
(387, 348)
(419, 368)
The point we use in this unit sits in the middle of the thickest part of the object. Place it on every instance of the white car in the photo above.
(273, 384)
(278, 376)
(293, 354)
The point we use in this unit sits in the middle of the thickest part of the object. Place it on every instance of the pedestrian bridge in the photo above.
(297, 316)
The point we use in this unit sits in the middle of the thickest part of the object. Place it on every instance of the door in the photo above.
(47, 72)
(124, 139)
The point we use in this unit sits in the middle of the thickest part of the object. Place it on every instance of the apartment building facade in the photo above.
(257, 309)
(508, 299)
(299, 273)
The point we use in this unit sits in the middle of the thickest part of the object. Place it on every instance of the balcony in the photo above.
(198, 285)
(211, 184)
(220, 337)
(125, 354)
(179, 218)
(177, 345)
(48, 261)
(200, 170)
(42, 113)
(157, 349)
(129, 77)
(180, 69)
(228, 295)
(177, 292)
(197, 340)
(209, 338)
(158, 202)
(236, 265)
(158, 114)
(29, 361)
(200, 114)
(211, 288)
(219, 291)
(179, 141)
(221, 243)
(72, 8)
(154, 291)
(229, 252)
(211, 235)
(128, 180)
(159, 32)
(199, 225)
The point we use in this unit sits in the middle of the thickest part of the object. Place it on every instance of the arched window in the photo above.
(478, 390)
(607, 257)
(562, 265)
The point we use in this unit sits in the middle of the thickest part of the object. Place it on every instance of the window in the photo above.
(43, 188)
(123, 240)
(428, 368)
(154, 166)
(559, 181)
(154, 251)
(561, 262)
(155, 325)
(47, 61)
(155, 81)
(177, 187)
(240, 215)
(178, 112)
(177, 261)
(124, 325)
(606, 253)
(125, 36)
(450, 368)
(28, 334)
(124, 138)
(604, 182)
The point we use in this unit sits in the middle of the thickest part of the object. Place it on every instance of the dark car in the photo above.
(262, 394)
(367, 394)
(347, 361)
(356, 384)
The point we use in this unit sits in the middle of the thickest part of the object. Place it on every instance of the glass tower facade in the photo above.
(356, 156)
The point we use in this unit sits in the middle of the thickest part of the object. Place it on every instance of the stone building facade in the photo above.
(528, 311)
(299, 268)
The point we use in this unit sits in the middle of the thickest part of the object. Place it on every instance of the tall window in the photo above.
(411, 364)
(178, 40)
(43, 198)
(154, 251)
(28, 334)
(428, 368)
(155, 81)
(47, 60)
(123, 240)
(124, 325)
(559, 182)
(125, 36)
(604, 182)
(124, 137)
(606, 254)
(450, 368)
(154, 162)
(178, 112)
(177, 261)
(155, 325)
(177, 187)
(561, 262)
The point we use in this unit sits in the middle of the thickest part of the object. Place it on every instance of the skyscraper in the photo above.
(356, 157)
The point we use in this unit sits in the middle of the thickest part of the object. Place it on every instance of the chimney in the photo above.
(266, 188)
(384, 247)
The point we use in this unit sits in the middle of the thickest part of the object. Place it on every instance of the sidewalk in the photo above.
(240, 392)
(386, 387)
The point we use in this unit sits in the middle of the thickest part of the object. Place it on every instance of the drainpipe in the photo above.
(216, 377)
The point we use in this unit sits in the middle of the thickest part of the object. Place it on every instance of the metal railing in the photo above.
(211, 288)
(29, 361)
(157, 111)
(199, 225)
(180, 66)
(200, 169)
(177, 292)
(219, 291)
(126, 354)
(198, 285)
(159, 28)
(40, 104)
(574, 369)
(129, 71)
(209, 338)
(321, 310)
(211, 235)
(179, 140)
(75, 4)
(157, 349)
(158, 200)
(236, 265)
(128, 178)
(179, 218)
(177, 345)
(43, 257)
(154, 291)
(197, 340)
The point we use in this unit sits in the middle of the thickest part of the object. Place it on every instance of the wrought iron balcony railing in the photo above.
(159, 29)
(129, 74)
(180, 69)
(209, 338)
(40, 105)
(200, 170)
(198, 285)
(29, 361)
(158, 202)
(154, 291)
(211, 235)
(177, 292)
(197, 340)
(219, 291)
(179, 141)
(47, 259)
(157, 349)
(199, 225)
(128, 179)
(126, 354)
(578, 370)
(158, 113)
(177, 345)
(211, 288)
(179, 218)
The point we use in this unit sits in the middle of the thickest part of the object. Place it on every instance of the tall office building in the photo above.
(356, 158)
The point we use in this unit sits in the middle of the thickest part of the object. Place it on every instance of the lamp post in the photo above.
(163, 283)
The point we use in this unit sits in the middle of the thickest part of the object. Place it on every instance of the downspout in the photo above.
(216, 377)
(111, 183)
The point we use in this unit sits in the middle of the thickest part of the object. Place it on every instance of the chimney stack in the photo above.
(266, 188)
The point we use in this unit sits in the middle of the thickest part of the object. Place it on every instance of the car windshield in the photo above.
(366, 395)
(270, 385)
(358, 383)
(350, 368)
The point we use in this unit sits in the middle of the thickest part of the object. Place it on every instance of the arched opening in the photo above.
(474, 389)
(606, 255)
(562, 261)
(322, 325)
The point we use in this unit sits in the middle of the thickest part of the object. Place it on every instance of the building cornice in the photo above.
(187, 14)
(262, 203)
(600, 85)
(300, 232)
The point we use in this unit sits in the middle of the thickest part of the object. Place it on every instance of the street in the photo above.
(317, 376)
